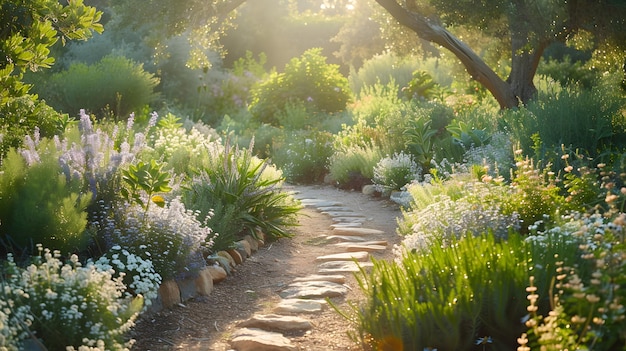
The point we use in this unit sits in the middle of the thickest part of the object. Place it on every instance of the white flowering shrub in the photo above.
(182, 150)
(137, 274)
(64, 305)
(452, 210)
(170, 236)
(394, 172)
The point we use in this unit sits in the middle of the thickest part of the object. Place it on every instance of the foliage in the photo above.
(308, 80)
(303, 155)
(20, 116)
(383, 69)
(146, 177)
(494, 154)
(422, 86)
(394, 172)
(40, 205)
(65, 305)
(114, 83)
(353, 166)
(445, 298)
(535, 194)
(587, 120)
(30, 29)
(426, 135)
(585, 307)
(243, 187)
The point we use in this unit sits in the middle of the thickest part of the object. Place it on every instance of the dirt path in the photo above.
(209, 323)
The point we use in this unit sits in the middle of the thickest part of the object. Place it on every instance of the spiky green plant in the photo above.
(446, 299)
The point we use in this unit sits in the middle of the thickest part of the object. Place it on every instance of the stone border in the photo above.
(174, 292)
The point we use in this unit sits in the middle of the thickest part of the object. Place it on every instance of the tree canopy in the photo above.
(30, 28)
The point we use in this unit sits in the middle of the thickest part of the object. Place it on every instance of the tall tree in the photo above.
(530, 27)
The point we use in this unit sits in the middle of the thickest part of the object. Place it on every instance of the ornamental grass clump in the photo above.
(244, 195)
(473, 287)
(64, 306)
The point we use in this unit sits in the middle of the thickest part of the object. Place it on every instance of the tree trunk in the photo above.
(476, 66)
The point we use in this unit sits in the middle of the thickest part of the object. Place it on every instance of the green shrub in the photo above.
(308, 80)
(384, 69)
(303, 155)
(446, 298)
(353, 167)
(40, 204)
(21, 116)
(114, 83)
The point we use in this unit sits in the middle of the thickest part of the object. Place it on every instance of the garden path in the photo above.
(275, 299)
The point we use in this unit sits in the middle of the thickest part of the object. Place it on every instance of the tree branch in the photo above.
(476, 67)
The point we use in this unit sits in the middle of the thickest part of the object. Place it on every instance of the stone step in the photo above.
(333, 267)
(346, 225)
(286, 306)
(345, 256)
(313, 290)
(362, 247)
(364, 243)
(347, 219)
(339, 279)
(276, 322)
(334, 208)
(319, 203)
(252, 339)
(343, 214)
(356, 231)
(345, 238)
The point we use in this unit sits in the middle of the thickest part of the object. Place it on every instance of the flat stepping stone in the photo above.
(343, 214)
(361, 247)
(299, 306)
(251, 339)
(346, 225)
(358, 220)
(313, 290)
(345, 256)
(334, 208)
(319, 203)
(339, 279)
(342, 267)
(356, 231)
(273, 322)
(364, 243)
(345, 238)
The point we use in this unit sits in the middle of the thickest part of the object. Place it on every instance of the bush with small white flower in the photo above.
(64, 305)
